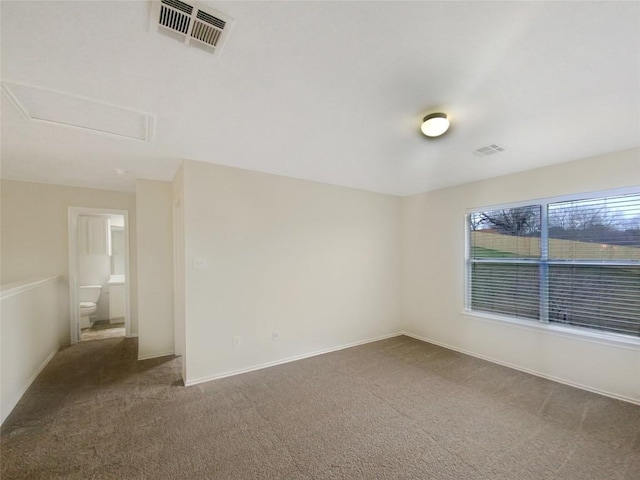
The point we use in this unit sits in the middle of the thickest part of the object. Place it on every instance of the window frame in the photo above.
(542, 323)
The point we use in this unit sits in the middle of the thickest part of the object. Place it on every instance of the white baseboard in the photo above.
(13, 402)
(526, 370)
(155, 355)
(288, 360)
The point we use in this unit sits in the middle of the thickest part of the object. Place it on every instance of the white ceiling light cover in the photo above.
(60, 109)
(435, 124)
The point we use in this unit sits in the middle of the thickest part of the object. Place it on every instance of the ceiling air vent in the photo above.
(175, 15)
(488, 150)
(205, 29)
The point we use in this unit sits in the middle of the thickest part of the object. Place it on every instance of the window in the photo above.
(570, 261)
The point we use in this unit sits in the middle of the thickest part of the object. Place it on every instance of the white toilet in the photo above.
(88, 296)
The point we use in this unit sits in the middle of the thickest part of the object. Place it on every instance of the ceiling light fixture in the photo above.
(121, 171)
(435, 124)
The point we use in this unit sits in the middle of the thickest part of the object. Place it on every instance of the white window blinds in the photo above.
(574, 262)
(505, 251)
(594, 263)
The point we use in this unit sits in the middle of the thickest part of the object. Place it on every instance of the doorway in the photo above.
(99, 274)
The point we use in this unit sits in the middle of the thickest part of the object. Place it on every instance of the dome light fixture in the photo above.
(435, 124)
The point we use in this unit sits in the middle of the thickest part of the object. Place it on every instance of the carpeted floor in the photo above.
(395, 409)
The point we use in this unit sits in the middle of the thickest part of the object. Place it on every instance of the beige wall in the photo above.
(433, 230)
(155, 268)
(179, 306)
(319, 264)
(35, 234)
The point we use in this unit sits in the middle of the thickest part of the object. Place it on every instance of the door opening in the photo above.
(99, 274)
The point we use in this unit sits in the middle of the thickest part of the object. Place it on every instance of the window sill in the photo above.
(610, 339)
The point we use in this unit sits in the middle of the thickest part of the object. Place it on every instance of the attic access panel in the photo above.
(64, 110)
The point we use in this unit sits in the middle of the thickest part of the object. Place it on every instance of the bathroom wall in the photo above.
(117, 250)
(35, 233)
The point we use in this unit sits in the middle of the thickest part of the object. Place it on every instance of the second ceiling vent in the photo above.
(205, 29)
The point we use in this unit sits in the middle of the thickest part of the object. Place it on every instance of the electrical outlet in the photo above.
(236, 342)
(275, 335)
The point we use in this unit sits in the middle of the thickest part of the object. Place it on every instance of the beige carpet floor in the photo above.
(394, 409)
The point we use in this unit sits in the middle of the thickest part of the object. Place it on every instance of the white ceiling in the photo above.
(329, 91)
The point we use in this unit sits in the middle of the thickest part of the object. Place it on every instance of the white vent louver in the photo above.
(207, 30)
